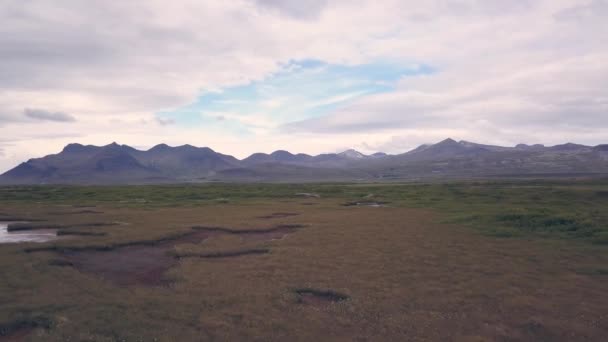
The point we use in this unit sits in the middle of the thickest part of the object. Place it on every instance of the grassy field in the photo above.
(466, 261)
(555, 209)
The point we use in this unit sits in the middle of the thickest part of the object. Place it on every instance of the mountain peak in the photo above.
(78, 148)
(449, 141)
(73, 147)
(569, 147)
(281, 153)
(352, 154)
(160, 147)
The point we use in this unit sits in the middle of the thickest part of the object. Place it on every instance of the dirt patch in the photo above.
(17, 335)
(274, 233)
(21, 226)
(602, 194)
(135, 265)
(145, 262)
(140, 263)
(278, 215)
(19, 330)
(60, 263)
(225, 254)
(316, 297)
(309, 203)
(85, 211)
(9, 218)
(95, 224)
(365, 204)
(79, 233)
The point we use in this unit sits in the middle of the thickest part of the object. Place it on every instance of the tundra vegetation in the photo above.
(469, 260)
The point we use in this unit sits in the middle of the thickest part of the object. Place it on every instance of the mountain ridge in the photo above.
(123, 164)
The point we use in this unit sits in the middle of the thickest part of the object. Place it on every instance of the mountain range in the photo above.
(122, 164)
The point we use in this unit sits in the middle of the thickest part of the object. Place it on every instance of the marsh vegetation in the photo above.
(521, 260)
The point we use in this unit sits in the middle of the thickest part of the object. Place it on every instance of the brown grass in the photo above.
(408, 278)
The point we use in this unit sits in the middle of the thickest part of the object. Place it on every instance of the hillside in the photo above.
(122, 164)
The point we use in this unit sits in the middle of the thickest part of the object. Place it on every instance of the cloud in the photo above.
(295, 8)
(596, 9)
(539, 77)
(45, 115)
(528, 70)
(164, 121)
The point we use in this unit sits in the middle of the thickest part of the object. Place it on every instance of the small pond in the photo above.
(37, 235)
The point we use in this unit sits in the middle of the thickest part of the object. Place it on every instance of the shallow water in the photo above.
(37, 235)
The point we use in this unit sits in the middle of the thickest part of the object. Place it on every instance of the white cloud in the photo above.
(506, 71)
(45, 115)
(296, 8)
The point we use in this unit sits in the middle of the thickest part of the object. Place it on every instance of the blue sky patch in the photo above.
(299, 90)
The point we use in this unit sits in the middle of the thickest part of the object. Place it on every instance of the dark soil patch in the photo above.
(105, 248)
(94, 224)
(60, 263)
(14, 227)
(602, 194)
(309, 203)
(19, 329)
(225, 254)
(145, 262)
(21, 226)
(365, 204)
(318, 297)
(17, 335)
(138, 263)
(141, 265)
(8, 218)
(308, 195)
(278, 215)
(86, 211)
(79, 233)
(274, 233)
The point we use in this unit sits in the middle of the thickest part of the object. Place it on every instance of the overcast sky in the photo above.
(312, 76)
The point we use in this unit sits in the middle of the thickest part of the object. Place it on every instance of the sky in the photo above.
(317, 76)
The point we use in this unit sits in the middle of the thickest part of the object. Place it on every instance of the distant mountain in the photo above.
(122, 164)
(331, 160)
(276, 157)
(464, 159)
(570, 147)
(378, 155)
(447, 148)
(184, 162)
(78, 163)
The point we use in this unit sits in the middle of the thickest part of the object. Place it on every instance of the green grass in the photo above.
(555, 209)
